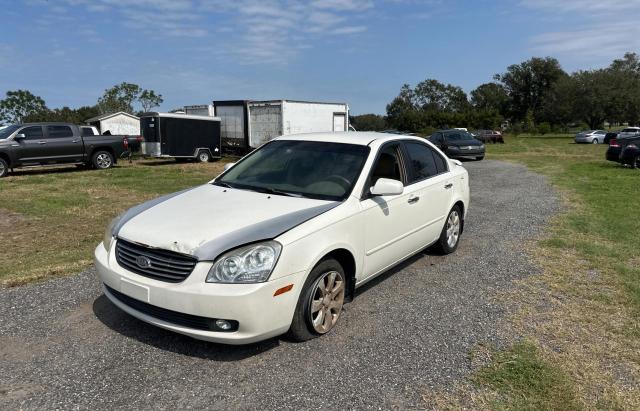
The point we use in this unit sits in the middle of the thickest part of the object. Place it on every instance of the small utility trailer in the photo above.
(247, 124)
(180, 136)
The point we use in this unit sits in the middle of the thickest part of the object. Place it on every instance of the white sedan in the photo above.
(280, 241)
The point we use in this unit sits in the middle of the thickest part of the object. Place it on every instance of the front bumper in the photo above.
(260, 315)
(474, 152)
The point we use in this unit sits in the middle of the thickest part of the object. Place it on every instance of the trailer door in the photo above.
(339, 122)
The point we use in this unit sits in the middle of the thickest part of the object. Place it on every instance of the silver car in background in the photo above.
(591, 137)
(629, 132)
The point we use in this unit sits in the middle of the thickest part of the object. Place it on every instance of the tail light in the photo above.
(633, 146)
(613, 143)
(125, 143)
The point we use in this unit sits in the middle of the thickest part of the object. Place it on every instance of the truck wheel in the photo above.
(4, 168)
(204, 156)
(102, 160)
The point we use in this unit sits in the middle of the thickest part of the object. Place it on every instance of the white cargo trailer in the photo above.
(200, 110)
(247, 124)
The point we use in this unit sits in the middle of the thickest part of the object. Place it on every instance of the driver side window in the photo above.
(32, 133)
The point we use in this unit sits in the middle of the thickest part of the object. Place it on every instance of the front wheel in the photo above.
(450, 235)
(595, 141)
(102, 160)
(4, 168)
(320, 302)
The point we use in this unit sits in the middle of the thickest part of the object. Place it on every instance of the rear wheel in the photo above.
(320, 302)
(102, 160)
(595, 141)
(204, 156)
(4, 168)
(450, 235)
(634, 164)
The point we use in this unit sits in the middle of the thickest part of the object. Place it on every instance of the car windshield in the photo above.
(6, 132)
(311, 169)
(459, 136)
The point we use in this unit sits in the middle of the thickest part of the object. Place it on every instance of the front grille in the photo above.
(173, 317)
(163, 265)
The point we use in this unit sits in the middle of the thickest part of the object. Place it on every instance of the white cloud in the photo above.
(600, 30)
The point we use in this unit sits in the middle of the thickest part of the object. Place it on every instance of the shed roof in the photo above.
(106, 116)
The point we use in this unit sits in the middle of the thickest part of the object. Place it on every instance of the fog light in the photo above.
(223, 325)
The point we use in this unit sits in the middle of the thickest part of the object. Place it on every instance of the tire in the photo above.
(449, 240)
(479, 158)
(635, 163)
(102, 160)
(4, 168)
(203, 156)
(302, 326)
(595, 141)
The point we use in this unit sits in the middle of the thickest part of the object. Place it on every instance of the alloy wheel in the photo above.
(453, 228)
(3, 169)
(103, 160)
(326, 301)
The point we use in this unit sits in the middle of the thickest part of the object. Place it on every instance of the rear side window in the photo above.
(59, 131)
(32, 133)
(87, 131)
(421, 162)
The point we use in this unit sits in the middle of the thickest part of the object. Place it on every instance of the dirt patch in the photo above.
(10, 219)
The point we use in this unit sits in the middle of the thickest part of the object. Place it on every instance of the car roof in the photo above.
(363, 138)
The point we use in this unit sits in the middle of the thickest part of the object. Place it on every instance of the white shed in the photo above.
(116, 123)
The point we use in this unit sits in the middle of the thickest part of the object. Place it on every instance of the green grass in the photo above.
(604, 197)
(524, 381)
(51, 219)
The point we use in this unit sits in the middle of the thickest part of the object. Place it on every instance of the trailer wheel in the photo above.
(204, 156)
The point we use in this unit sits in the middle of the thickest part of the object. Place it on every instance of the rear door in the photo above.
(63, 143)
(431, 186)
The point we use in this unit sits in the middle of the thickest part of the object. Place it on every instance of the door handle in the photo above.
(448, 186)
(413, 199)
(74, 141)
(42, 142)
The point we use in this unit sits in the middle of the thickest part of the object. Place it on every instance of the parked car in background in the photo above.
(458, 144)
(488, 136)
(629, 132)
(610, 136)
(33, 144)
(625, 150)
(281, 240)
(590, 137)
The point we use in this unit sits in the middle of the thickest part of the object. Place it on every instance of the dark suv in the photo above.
(458, 144)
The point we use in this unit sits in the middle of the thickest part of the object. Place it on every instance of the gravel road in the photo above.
(64, 345)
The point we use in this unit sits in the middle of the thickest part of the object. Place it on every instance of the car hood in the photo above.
(208, 220)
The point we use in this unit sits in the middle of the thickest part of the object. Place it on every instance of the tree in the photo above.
(490, 96)
(119, 98)
(368, 122)
(433, 95)
(19, 104)
(149, 99)
(65, 115)
(527, 84)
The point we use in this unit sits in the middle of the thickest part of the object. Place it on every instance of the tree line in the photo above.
(22, 106)
(536, 95)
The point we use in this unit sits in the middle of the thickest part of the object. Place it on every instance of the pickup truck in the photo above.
(33, 144)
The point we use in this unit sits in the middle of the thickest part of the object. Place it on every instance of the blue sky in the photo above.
(357, 51)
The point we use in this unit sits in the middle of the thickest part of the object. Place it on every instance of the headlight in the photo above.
(249, 264)
(108, 233)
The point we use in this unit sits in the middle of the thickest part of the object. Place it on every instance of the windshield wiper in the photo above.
(269, 190)
(222, 184)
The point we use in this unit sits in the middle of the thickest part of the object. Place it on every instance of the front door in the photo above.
(33, 147)
(386, 219)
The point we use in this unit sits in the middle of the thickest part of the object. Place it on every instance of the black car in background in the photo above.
(458, 144)
(610, 136)
(625, 150)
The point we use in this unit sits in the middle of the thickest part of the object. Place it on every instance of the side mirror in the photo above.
(228, 166)
(19, 137)
(387, 187)
(456, 162)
